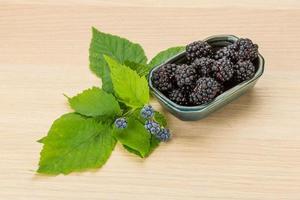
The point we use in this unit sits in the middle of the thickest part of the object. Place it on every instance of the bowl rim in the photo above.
(219, 98)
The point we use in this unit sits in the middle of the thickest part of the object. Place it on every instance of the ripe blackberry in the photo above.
(164, 135)
(170, 68)
(203, 66)
(205, 91)
(162, 80)
(121, 123)
(245, 49)
(185, 75)
(227, 52)
(197, 49)
(222, 70)
(178, 96)
(244, 70)
(147, 112)
(152, 127)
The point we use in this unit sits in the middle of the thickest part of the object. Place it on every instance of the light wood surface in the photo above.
(248, 150)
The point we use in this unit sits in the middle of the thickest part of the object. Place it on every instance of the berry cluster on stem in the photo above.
(153, 127)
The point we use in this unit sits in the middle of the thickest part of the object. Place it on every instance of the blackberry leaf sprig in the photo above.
(119, 112)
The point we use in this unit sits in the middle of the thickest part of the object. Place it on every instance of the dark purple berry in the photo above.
(197, 49)
(228, 52)
(185, 75)
(222, 70)
(179, 96)
(203, 66)
(162, 80)
(205, 91)
(243, 70)
(245, 49)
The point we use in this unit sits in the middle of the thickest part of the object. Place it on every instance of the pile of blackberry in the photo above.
(206, 72)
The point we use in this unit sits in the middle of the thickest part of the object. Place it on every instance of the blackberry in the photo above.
(164, 135)
(121, 123)
(205, 91)
(203, 66)
(227, 52)
(244, 70)
(197, 49)
(152, 127)
(170, 68)
(147, 112)
(245, 49)
(222, 70)
(178, 96)
(162, 80)
(185, 75)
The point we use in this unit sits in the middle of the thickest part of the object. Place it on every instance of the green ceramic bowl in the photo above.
(191, 113)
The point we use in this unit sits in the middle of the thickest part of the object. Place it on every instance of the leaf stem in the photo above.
(129, 112)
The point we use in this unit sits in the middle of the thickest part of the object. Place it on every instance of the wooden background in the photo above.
(248, 150)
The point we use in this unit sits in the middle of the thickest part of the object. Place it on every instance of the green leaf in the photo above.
(116, 47)
(75, 143)
(41, 140)
(135, 136)
(158, 117)
(132, 151)
(154, 143)
(165, 55)
(95, 102)
(141, 69)
(129, 87)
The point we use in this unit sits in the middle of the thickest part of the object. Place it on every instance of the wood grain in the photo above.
(248, 150)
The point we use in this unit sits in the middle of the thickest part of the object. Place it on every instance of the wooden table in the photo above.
(250, 149)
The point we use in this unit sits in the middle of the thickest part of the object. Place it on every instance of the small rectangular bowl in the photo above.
(192, 113)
